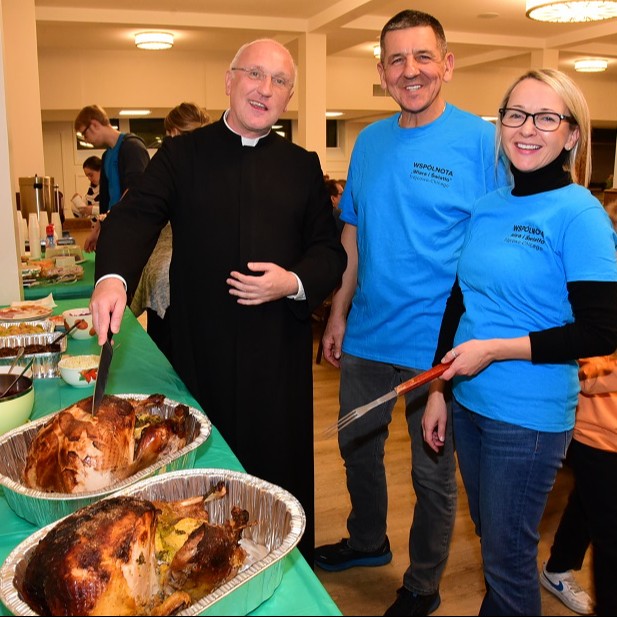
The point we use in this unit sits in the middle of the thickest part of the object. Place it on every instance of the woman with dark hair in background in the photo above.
(152, 294)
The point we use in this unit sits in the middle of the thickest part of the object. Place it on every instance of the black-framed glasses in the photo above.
(83, 133)
(256, 74)
(547, 121)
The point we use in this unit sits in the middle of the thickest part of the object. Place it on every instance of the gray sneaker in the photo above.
(564, 586)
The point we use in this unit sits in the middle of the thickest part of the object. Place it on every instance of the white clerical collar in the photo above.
(246, 141)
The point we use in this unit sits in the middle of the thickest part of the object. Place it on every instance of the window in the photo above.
(151, 130)
(283, 128)
(331, 133)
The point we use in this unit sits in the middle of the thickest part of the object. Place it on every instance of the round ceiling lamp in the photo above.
(571, 11)
(591, 65)
(154, 40)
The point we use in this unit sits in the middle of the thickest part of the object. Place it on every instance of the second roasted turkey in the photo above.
(76, 452)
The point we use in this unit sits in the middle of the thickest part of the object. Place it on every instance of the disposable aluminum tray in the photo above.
(280, 524)
(44, 365)
(41, 508)
(47, 324)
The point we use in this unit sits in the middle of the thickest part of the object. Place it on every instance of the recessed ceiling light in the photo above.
(591, 65)
(154, 40)
(135, 112)
(333, 114)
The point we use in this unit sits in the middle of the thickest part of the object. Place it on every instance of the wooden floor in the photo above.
(369, 591)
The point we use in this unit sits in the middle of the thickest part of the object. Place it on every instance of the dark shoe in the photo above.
(410, 603)
(339, 556)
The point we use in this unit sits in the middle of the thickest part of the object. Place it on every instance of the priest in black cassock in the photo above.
(255, 251)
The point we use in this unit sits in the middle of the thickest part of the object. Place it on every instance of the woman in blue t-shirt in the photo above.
(536, 289)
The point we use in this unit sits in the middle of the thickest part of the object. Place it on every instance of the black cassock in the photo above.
(249, 367)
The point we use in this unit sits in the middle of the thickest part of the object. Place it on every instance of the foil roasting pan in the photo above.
(280, 523)
(41, 508)
(45, 364)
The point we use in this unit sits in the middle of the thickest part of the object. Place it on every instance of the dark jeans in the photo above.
(362, 446)
(590, 517)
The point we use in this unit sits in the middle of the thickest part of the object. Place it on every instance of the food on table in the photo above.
(131, 556)
(21, 328)
(80, 362)
(9, 352)
(76, 452)
(58, 320)
(24, 311)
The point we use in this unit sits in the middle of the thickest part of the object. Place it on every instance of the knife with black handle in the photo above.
(107, 353)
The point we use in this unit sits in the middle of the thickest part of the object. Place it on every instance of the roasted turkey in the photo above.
(76, 452)
(130, 556)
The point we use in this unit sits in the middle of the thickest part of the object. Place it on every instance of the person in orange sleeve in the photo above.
(590, 517)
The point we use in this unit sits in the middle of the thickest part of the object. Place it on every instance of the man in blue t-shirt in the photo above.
(412, 180)
(124, 160)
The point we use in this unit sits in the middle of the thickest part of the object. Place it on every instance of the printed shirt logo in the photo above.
(527, 235)
(426, 172)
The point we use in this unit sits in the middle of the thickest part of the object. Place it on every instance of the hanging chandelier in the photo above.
(571, 11)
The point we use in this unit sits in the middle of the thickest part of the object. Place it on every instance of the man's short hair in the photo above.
(89, 113)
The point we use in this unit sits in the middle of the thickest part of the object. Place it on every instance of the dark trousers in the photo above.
(159, 330)
(590, 517)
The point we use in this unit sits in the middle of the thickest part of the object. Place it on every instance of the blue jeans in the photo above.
(508, 472)
(362, 446)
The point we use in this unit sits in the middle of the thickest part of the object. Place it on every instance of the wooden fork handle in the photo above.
(422, 378)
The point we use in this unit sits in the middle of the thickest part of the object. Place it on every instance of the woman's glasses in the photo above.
(547, 121)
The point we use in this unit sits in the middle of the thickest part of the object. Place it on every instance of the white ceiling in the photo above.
(479, 32)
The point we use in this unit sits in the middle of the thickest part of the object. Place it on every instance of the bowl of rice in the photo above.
(79, 371)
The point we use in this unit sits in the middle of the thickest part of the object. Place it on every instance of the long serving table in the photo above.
(138, 367)
(81, 288)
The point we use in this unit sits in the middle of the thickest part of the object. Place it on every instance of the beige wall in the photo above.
(65, 81)
(161, 81)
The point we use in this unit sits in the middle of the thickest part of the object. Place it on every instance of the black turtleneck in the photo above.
(548, 178)
(594, 303)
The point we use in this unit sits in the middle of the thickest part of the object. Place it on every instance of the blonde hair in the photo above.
(185, 118)
(578, 162)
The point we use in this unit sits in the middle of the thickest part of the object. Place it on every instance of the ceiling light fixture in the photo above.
(134, 112)
(154, 40)
(377, 51)
(333, 114)
(591, 65)
(572, 11)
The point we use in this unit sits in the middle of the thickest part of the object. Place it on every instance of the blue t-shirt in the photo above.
(516, 261)
(110, 165)
(410, 193)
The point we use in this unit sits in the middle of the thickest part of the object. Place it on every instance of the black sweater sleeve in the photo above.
(449, 322)
(593, 331)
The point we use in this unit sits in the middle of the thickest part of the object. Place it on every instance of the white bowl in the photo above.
(15, 408)
(82, 331)
(79, 371)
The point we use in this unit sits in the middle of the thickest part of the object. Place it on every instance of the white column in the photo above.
(312, 94)
(21, 133)
(10, 282)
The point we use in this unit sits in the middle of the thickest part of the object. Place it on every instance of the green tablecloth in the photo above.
(138, 367)
(65, 291)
